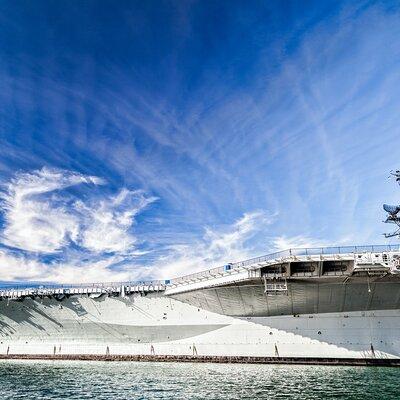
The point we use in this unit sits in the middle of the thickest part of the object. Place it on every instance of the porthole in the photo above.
(319, 332)
(270, 333)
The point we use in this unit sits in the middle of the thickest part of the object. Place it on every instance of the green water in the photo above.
(132, 380)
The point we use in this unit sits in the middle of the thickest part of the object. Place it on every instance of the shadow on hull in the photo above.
(302, 297)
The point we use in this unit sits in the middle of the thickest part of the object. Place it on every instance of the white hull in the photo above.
(161, 326)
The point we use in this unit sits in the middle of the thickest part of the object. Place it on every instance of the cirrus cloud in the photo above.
(234, 242)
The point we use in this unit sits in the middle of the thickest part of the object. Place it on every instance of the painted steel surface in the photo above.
(157, 325)
(301, 305)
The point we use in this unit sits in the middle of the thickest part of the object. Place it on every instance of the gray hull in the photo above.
(303, 296)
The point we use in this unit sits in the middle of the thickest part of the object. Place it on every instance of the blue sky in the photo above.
(152, 139)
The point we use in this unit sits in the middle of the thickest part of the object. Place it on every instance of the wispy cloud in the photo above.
(40, 216)
(86, 237)
(284, 243)
(20, 267)
(217, 247)
(107, 223)
(36, 218)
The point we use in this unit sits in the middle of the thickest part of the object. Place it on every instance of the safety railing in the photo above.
(102, 285)
(213, 272)
(307, 251)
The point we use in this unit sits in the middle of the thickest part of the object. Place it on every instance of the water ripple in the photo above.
(132, 380)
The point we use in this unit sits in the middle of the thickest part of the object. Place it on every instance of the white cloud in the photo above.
(39, 218)
(22, 268)
(33, 221)
(108, 222)
(216, 248)
(284, 243)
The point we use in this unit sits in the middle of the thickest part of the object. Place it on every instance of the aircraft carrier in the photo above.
(331, 305)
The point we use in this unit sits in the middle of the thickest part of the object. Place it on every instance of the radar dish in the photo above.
(393, 210)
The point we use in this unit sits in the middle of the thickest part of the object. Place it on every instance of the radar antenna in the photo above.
(393, 211)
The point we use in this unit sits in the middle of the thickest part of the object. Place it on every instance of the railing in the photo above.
(314, 251)
(49, 286)
(213, 272)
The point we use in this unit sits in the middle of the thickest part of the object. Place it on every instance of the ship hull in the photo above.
(160, 327)
(302, 296)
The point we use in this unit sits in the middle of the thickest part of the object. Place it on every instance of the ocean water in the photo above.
(134, 380)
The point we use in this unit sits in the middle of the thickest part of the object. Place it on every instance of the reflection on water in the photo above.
(133, 380)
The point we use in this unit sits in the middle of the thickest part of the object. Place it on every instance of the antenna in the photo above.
(393, 211)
